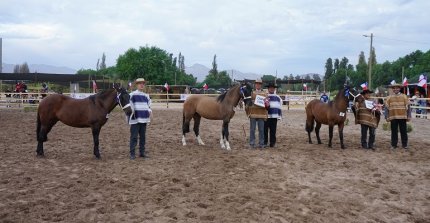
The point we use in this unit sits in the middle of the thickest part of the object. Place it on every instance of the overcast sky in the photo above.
(259, 36)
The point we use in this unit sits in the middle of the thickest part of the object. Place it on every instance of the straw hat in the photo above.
(395, 85)
(259, 81)
(139, 80)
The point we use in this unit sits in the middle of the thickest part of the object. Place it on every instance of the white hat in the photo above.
(259, 81)
(140, 80)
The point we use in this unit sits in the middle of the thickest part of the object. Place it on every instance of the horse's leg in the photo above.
(185, 128)
(330, 134)
(197, 119)
(43, 128)
(317, 132)
(309, 126)
(225, 135)
(221, 140)
(96, 133)
(340, 129)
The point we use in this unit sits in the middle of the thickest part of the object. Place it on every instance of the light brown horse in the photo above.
(220, 108)
(331, 114)
(91, 112)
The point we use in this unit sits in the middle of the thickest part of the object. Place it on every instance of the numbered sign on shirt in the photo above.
(259, 100)
(369, 104)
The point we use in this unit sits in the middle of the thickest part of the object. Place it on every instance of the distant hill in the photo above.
(201, 71)
(198, 70)
(41, 68)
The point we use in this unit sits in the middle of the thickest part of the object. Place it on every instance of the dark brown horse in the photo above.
(220, 108)
(91, 112)
(331, 114)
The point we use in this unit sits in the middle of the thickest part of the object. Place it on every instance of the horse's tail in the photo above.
(309, 126)
(185, 124)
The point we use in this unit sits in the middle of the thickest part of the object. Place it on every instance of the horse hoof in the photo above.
(40, 155)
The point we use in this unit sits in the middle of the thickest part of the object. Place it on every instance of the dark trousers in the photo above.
(270, 125)
(397, 124)
(364, 143)
(135, 130)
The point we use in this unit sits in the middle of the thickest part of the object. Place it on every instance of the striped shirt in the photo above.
(275, 106)
(141, 104)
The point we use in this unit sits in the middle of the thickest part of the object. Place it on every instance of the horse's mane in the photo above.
(101, 95)
(221, 97)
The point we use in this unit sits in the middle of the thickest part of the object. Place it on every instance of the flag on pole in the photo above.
(377, 91)
(405, 81)
(364, 86)
(205, 86)
(305, 87)
(94, 86)
(422, 81)
(166, 86)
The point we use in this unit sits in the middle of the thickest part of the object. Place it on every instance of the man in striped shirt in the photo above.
(141, 105)
(398, 112)
(274, 113)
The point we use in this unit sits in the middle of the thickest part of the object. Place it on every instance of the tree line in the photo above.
(409, 66)
(158, 67)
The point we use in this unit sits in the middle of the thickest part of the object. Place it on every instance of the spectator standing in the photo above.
(398, 112)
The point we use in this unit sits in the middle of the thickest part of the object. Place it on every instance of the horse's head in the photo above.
(123, 99)
(246, 92)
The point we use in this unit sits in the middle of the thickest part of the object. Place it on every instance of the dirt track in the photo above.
(296, 182)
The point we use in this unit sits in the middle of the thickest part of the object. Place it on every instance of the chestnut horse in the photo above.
(91, 112)
(220, 108)
(332, 113)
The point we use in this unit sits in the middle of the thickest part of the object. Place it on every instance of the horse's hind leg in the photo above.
(309, 128)
(197, 119)
(185, 127)
(42, 134)
(317, 132)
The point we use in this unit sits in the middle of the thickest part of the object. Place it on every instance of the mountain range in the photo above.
(201, 71)
(197, 70)
(41, 68)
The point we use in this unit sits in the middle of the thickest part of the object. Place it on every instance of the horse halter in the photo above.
(354, 96)
(242, 92)
(118, 99)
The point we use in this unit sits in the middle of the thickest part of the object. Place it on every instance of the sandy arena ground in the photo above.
(296, 182)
